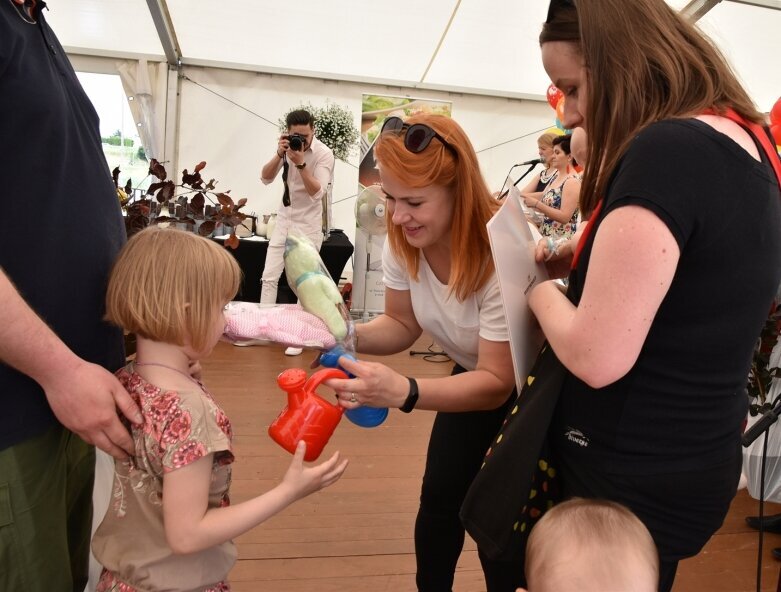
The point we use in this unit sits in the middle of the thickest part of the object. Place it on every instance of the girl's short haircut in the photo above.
(167, 285)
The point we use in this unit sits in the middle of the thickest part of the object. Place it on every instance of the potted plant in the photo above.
(162, 203)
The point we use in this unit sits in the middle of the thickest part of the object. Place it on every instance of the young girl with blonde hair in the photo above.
(170, 523)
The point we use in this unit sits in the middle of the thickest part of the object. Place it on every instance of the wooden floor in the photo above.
(357, 535)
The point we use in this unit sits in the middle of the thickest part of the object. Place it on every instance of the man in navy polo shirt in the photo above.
(60, 230)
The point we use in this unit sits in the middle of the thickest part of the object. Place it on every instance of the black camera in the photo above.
(297, 142)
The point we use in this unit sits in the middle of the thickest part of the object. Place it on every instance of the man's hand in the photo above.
(295, 156)
(85, 400)
(283, 145)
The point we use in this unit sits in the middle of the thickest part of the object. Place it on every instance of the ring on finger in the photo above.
(352, 398)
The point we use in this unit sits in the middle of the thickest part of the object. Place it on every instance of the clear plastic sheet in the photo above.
(308, 277)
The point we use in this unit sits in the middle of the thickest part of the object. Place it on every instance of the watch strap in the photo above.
(412, 397)
(300, 166)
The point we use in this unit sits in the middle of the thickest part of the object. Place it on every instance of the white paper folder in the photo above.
(513, 242)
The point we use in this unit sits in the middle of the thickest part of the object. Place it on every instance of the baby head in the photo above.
(170, 286)
(591, 545)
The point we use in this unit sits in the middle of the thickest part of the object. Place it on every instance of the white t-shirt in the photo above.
(456, 326)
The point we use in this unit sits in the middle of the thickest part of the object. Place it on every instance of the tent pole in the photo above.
(165, 30)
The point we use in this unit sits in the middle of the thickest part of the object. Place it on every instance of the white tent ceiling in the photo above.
(246, 62)
(468, 46)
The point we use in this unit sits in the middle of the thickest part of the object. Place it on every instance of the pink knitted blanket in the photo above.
(288, 324)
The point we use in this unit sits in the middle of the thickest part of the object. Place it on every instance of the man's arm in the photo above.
(270, 170)
(317, 178)
(83, 396)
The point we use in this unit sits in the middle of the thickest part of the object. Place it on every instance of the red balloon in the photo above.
(775, 131)
(553, 95)
(775, 113)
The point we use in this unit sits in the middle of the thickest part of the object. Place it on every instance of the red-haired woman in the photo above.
(439, 277)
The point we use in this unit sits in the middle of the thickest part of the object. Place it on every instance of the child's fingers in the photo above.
(330, 463)
(333, 476)
(298, 456)
(329, 466)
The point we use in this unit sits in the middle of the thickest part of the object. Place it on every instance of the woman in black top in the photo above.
(667, 294)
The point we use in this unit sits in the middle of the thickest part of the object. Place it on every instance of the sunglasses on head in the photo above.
(417, 136)
(555, 5)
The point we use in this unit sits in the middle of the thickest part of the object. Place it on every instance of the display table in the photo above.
(251, 256)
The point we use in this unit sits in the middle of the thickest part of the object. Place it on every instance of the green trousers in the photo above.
(46, 513)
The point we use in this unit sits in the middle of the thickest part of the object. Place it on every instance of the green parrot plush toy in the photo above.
(313, 285)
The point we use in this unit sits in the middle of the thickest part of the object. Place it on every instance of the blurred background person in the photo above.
(558, 204)
(307, 167)
(540, 181)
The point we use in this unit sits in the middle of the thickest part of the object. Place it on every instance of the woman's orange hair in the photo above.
(471, 264)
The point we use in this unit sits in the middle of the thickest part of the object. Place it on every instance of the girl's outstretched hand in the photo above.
(302, 480)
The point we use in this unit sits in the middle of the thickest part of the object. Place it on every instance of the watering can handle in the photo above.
(321, 376)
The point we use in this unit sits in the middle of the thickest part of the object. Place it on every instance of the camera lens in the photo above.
(296, 142)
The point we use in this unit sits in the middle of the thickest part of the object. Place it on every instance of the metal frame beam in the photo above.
(696, 9)
(772, 4)
(165, 30)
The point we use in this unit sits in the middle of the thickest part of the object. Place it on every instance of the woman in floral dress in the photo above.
(559, 203)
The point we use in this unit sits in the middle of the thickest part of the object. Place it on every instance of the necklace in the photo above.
(187, 376)
(548, 175)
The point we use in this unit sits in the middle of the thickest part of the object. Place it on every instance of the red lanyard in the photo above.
(586, 233)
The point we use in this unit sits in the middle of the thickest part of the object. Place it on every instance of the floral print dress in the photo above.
(179, 428)
(554, 228)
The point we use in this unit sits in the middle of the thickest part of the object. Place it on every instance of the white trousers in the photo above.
(275, 259)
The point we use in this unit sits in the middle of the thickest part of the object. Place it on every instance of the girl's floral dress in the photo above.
(179, 428)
